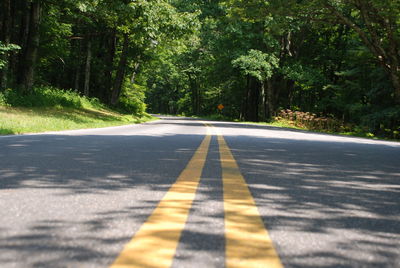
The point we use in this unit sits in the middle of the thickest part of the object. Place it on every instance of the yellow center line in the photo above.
(247, 240)
(155, 243)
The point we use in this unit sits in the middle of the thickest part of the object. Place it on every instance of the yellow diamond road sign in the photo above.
(220, 107)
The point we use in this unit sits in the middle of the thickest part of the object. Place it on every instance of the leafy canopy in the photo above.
(257, 64)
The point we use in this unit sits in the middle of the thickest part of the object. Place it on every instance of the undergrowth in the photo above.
(51, 109)
(48, 97)
(310, 121)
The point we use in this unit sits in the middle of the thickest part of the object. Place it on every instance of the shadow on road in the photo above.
(325, 203)
(73, 201)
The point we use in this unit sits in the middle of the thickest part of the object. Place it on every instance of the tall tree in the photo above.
(377, 24)
(30, 50)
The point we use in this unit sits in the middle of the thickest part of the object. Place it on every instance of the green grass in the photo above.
(278, 123)
(18, 120)
(49, 109)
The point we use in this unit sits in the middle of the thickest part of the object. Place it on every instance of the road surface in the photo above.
(188, 193)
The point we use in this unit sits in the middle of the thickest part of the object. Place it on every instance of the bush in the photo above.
(131, 106)
(47, 97)
(311, 121)
(3, 101)
(132, 99)
(385, 122)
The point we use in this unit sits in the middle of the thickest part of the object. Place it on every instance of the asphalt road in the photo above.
(76, 198)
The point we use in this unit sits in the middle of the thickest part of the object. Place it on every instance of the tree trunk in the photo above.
(6, 37)
(264, 102)
(253, 100)
(77, 77)
(270, 98)
(197, 100)
(119, 78)
(76, 45)
(195, 96)
(24, 29)
(244, 109)
(86, 88)
(290, 89)
(135, 71)
(256, 101)
(2, 15)
(21, 8)
(111, 45)
(31, 50)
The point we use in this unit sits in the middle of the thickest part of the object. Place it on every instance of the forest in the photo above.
(328, 64)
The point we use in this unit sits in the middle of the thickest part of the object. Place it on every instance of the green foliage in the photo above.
(331, 58)
(132, 99)
(257, 64)
(3, 100)
(55, 45)
(48, 97)
(384, 122)
(5, 49)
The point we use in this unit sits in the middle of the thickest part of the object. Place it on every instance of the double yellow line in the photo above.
(247, 241)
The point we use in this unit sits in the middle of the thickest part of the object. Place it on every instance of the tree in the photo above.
(330, 57)
(259, 66)
(30, 49)
(377, 24)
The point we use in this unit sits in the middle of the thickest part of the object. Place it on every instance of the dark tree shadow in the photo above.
(325, 203)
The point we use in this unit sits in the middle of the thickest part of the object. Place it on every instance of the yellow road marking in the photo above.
(155, 243)
(247, 240)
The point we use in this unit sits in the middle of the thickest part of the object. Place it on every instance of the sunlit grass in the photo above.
(278, 123)
(33, 120)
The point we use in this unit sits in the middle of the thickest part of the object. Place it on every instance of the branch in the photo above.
(376, 51)
(374, 36)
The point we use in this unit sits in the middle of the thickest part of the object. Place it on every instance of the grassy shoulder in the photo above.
(65, 111)
(19, 120)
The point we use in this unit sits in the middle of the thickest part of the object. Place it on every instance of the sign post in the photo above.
(220, 108)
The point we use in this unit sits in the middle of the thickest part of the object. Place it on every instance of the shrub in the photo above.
(385, 122)
(3, 101)
(48, 97)
(132, 99)
(311, 121)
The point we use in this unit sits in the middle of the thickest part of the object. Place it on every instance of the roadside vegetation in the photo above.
(330, 65)
(49, 109)
(310, 122)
